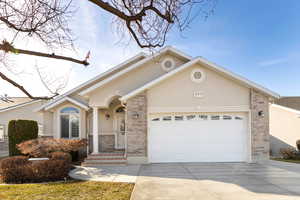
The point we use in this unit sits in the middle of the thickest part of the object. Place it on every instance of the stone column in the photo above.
(260, 144)
(95, 131)
(136, 126)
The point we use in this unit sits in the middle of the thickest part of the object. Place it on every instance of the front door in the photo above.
(120, 128)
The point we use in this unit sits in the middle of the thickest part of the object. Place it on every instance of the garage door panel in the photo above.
(198, 140)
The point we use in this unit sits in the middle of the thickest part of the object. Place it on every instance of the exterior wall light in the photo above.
(261, 113)
(107, 116)
(135, 115)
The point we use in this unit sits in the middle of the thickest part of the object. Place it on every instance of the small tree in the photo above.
(20, 131)
(298, 145)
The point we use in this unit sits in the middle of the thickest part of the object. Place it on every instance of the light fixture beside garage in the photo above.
(261, 113)
(135, 115)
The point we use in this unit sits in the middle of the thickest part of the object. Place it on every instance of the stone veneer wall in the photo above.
(136, 128)
(106, 143)
(259, 127)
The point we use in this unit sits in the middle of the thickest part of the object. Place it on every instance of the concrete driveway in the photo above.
(218, 181)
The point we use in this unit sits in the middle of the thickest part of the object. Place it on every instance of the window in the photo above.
(167, 118)
(179, 118)
(215, 117)
(120, 109)
(41, 130)
(2, 133)
(197, 75)
(155, 119)
(69, 122)
(238, 118)
(227, 117)
(203, 117)
(190, 117)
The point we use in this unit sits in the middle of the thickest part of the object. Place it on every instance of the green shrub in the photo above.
(20, 131)
(20, 170)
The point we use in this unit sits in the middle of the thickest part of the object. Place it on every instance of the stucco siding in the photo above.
(176, 94)
(284, 128)
(129, 81)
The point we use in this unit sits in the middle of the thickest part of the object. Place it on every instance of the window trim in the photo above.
(4, 135)
(70, 129)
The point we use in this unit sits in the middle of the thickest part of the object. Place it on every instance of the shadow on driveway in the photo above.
(218, 181)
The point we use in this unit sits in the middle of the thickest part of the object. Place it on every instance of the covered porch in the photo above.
(107, 128)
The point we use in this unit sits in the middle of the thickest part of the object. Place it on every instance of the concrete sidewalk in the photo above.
(125, 173)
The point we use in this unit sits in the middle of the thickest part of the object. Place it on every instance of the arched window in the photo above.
(69, 122)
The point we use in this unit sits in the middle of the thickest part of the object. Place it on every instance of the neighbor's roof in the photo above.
(13, 101)
(14, 105)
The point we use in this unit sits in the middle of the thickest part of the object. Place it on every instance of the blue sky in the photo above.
(259, 40)
(256, 39)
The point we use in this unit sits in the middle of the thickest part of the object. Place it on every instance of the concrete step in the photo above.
(106, 158)
(107, 154)
(104, 162)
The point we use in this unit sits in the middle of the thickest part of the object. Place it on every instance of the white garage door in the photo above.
(198, 137)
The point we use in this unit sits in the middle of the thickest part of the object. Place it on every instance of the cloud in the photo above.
(272, 62)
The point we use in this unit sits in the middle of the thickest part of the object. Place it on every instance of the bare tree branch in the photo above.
(149, 21)
(7, 47)
(20, 87)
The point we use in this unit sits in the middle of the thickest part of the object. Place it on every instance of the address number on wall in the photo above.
(198, 94)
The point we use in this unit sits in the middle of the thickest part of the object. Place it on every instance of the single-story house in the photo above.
(284, 124)
(164, 107)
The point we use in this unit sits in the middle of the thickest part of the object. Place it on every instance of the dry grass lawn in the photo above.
(75, 190)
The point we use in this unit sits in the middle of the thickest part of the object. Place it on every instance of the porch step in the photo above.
(105, 158)
(104, 162)
(107, 154)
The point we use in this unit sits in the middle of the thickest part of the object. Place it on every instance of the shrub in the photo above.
(20, 131)
(20, 170)
(61, 156)
(42, 147)
(298, 144)
(289, 153)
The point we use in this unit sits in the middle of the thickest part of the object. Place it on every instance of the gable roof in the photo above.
(210, 65)
(112, 70)
(69, 99)
(19, 105)
(13, 101)
(134, 66)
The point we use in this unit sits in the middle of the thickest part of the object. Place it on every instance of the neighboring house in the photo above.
(19, 108)
(290, 102)
(284, 124)
(166, 107)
